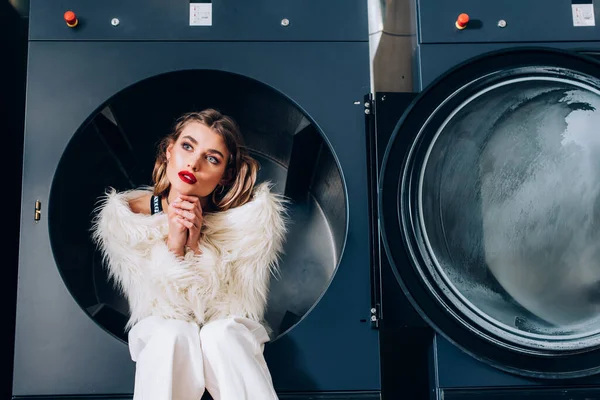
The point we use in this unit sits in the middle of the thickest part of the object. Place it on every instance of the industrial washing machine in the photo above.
(489, 198)
(105, 81)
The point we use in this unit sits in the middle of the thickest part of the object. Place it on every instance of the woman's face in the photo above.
(197, 161)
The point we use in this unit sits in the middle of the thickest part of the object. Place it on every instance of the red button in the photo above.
(462, 21)
(71, 19)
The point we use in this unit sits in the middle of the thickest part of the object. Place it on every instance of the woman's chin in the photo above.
(190, 190)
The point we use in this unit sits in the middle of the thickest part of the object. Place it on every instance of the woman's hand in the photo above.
(178, 231)
(190, 211)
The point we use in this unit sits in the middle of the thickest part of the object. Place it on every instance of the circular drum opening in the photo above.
(509, 207)
(491, 210)
(116, 147)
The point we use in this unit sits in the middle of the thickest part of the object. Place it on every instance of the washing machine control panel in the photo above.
(198, 20)
(506, 21)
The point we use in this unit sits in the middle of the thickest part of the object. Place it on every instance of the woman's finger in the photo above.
(188, 216)
(196, 208)
(185, 214)
(193, 200)
(186, 205)
(187, 224)
(179, 223)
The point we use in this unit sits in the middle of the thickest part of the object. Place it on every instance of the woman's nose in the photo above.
(194, 164)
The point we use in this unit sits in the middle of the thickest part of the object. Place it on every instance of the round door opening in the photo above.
(509, 206)
(490, 196)
(116, 147)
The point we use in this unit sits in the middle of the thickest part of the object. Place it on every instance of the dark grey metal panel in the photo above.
(59, 350)
(451, 364)
(256, 20)
(529, 21)
(456, 369)
(435, 59)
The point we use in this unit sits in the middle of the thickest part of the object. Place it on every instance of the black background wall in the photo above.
(13, 53)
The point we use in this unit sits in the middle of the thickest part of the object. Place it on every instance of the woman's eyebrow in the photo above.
(191, 139)
(215, 151)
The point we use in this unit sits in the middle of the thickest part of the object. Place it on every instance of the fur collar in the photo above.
(240, 252)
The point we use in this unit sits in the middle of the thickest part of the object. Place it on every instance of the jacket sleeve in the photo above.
(138, 261)
(251, 241)
(119, 240)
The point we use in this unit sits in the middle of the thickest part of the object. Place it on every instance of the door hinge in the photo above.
(368, 105)
(371, 147)
(38, 211)
(375, 316)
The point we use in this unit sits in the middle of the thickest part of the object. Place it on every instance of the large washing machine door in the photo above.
(490, 210)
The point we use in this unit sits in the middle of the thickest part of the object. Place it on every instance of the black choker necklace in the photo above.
(155, 205)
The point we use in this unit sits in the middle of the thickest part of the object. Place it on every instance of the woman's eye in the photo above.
(187, 146)
(212, 159)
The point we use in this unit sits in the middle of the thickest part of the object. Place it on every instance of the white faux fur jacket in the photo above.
(240, 250)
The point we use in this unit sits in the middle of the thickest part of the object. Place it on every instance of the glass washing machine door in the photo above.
(490, 210)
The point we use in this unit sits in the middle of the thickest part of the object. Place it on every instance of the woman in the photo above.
(194, 255)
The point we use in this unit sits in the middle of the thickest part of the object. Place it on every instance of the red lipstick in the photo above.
(187, 177)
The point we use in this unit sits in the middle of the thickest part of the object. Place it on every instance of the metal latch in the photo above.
(38, 211)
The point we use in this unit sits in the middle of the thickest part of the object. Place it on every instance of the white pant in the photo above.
(175, 360)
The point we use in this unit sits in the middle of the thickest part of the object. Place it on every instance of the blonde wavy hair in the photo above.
(241, 168)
